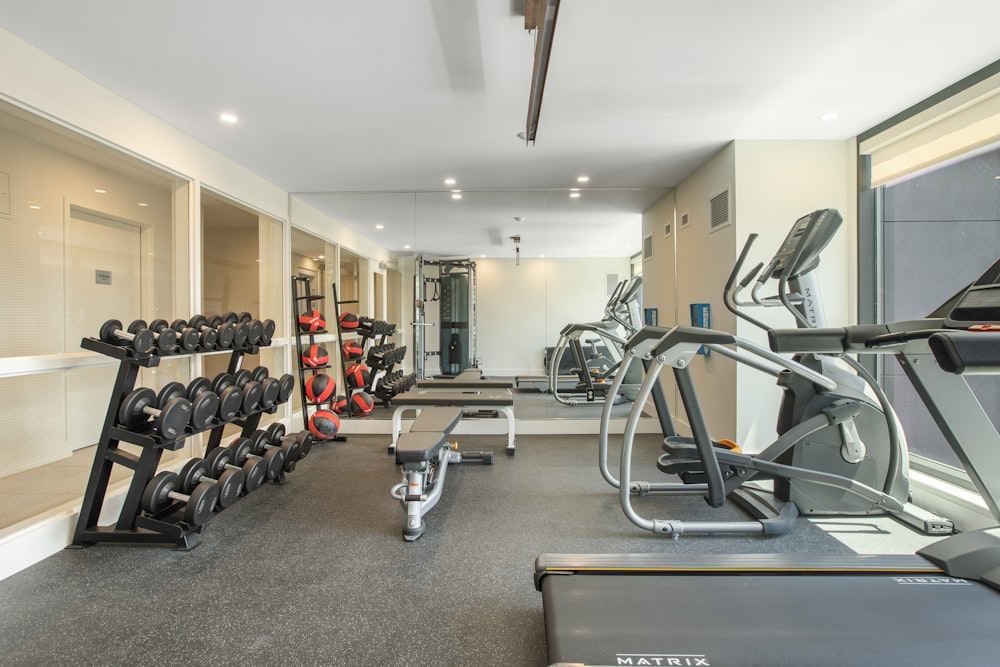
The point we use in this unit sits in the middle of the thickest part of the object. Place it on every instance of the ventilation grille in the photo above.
(684, 220)
(668, 229)
(719, 210)
(647, 247)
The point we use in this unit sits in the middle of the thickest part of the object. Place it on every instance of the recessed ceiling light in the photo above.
(482, 257)
(406, 247)
(229, 118)
(449, 181)
(829, 116)
(322, 256)
(379, 226)
(143, 204)
(36, 207)
(574, 189)
(100, 191)
(574, 195)
(582, 179)
(456, 195)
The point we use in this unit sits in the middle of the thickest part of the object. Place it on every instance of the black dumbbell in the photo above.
(166, 340)
(254, 471)
(260, 374)
(200, 502)
(286, 385)
(171, 413)
(224, 333)
(230, 398)
(268, 333)
(253, 392)
(270, 390)
(228, 480)
(256, 333)
(270, 464)
(205, 403)
(241, 377)
(206, 338)
(303, 440)
(113, 334)
(260, 444)
(186, 341)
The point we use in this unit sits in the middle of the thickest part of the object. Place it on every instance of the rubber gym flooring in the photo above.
(315, 572)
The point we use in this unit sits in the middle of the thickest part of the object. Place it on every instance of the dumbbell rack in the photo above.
(303, 299)
(132, 525)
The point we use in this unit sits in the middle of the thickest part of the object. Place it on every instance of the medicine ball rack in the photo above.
(303, 300)
(132, 525)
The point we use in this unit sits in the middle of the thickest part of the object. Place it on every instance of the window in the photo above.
(929, 223)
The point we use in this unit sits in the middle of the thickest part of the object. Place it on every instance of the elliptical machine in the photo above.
(838, 451)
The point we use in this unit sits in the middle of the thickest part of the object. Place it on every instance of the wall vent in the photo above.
(668, 229)
(719, 211)
(647, 247)
(684, 220)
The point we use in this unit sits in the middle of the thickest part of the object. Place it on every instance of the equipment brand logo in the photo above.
(932, 581)
(664, 660)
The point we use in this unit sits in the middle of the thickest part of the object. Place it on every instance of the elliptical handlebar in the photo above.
(731, 291)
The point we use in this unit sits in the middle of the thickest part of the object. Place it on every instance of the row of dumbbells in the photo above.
(394, 383)
(206, 486)
(370, 327)
(199, 334)
(177, 411)
(385, 355)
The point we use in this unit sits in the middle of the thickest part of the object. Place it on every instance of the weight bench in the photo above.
(423, 456)
(502, 401)
(470, 378)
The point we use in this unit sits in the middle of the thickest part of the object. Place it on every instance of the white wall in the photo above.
(773, 183)
(704, 260)
(777, 183)
(522, 308)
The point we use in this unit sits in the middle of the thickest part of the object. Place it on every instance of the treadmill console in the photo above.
(808, 237)
(980, 303)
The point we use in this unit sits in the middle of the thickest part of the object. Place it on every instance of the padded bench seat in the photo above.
(500, 400)
(421, 446)
(437, 420)
(468, 379)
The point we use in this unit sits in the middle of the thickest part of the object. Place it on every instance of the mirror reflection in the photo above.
(519, 265)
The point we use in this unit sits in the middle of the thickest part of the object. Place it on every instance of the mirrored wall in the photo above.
(543, 259)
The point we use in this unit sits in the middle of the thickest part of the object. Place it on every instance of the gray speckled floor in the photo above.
(316, 572)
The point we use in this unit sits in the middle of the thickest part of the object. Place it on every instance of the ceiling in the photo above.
(364, 108)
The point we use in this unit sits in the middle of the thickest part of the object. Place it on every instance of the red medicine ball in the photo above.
(315, 356)
(339, 404)
(358, 375)
(353, 350)
(312, 321)
(324, 424)
(361, 403)
(349, 322)
(320, 387)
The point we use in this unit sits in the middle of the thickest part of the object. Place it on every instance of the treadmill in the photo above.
(936, 607)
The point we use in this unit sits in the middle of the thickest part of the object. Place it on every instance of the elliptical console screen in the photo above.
(981, 302)
(810, 232)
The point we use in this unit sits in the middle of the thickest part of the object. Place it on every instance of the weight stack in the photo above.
(454, 308)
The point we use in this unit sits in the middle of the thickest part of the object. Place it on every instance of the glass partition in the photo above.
(87, 235)
(242, 271)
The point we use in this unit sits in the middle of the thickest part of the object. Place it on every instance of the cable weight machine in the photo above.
(454, 291)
